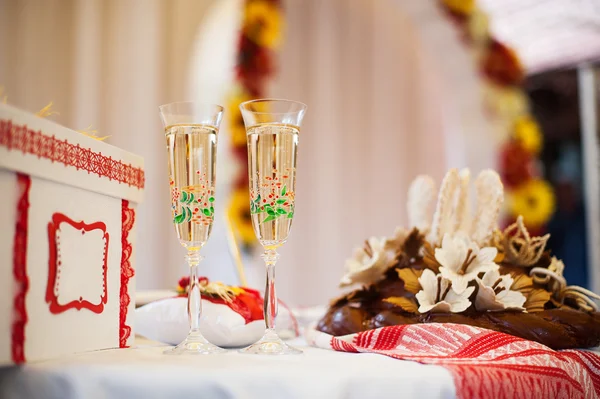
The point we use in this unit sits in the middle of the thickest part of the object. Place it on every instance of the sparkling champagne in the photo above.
(192, 167)
(272, 150)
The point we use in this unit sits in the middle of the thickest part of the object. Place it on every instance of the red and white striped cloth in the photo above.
(484, 363)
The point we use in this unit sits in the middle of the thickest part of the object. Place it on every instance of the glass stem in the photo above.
(194, 297)
(270, 304)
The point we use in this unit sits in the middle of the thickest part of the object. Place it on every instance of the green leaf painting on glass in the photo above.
(269, 218)
(178, 218)
(275, 201)
(190, 207)
(279, 206)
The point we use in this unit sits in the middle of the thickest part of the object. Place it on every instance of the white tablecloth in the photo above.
(144, 372)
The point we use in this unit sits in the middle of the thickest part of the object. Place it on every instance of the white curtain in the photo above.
(109, 64)
(391, 94)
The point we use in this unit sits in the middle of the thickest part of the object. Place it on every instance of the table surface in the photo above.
(144, 372)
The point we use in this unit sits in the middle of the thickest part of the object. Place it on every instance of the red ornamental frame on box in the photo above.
(19, 138)
(54, 263)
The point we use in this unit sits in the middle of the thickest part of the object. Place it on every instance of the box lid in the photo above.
(42, 148)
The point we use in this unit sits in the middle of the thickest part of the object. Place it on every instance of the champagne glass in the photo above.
(272, 128)
(191, 134)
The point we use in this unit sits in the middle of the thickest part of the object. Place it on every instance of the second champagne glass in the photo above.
(191, 138)
(272, 149)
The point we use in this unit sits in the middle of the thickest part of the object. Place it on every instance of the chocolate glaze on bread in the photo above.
(364, 309)
(555, 328)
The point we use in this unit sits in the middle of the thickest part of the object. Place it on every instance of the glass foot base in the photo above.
(194, 344)
(271, 344)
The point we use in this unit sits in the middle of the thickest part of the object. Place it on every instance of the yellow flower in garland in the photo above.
(528, 133)
(534, 200)
(235, 121)
(263, 23)
(238, 212)
(478, 27)
(504, 102)
(462, 7)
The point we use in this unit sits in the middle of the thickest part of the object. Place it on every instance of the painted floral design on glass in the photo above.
(194, 203)
(273, 196)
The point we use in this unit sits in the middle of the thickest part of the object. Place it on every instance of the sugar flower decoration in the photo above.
(495, 294)
(370, 262)
(438, 295)
(462, 260)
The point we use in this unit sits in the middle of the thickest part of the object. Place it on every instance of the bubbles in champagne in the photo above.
(192, 167)
(272, 150)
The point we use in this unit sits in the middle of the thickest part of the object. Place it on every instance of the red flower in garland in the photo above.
(516, 164)
(254, 65)
(502, 65)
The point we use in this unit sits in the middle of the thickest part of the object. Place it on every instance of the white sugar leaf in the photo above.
(463, 204)
(421, 194)
(490, 195)
(442, 218)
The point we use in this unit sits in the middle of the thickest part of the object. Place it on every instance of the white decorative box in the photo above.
(67, 240)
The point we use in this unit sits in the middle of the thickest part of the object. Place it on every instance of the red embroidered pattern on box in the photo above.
(127, 220)
(20, 271)
(54, 265)
(19, 137)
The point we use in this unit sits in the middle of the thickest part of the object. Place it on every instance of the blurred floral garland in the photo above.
(528, 193)
(260, 35)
